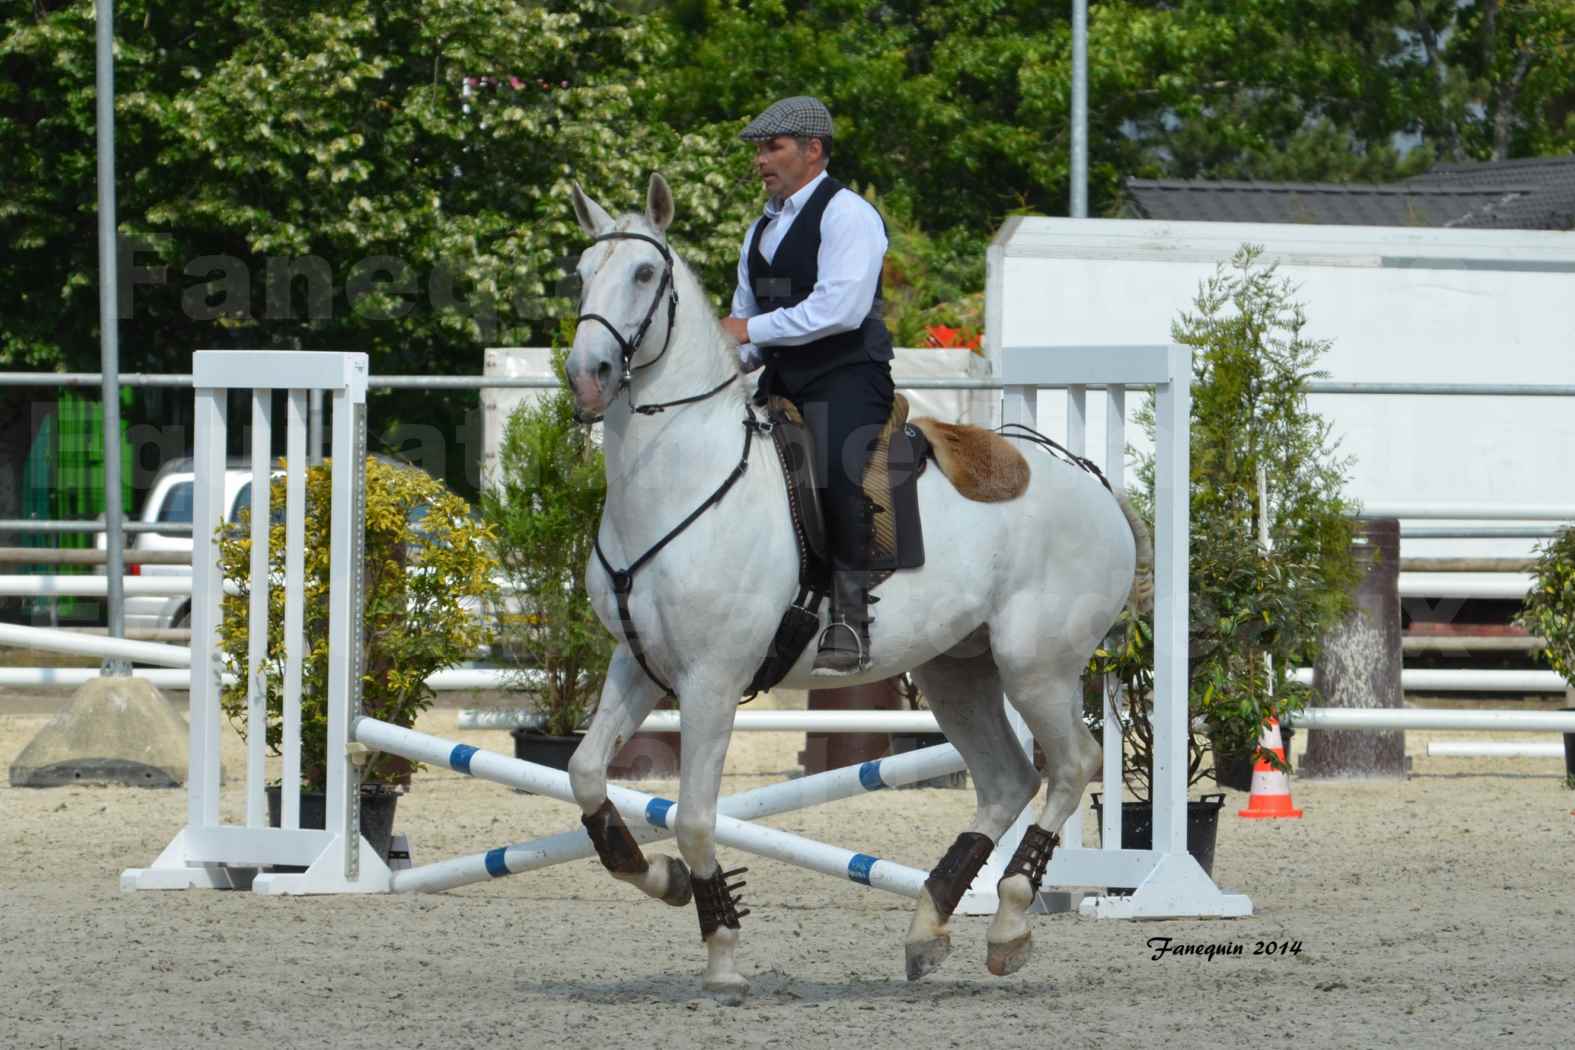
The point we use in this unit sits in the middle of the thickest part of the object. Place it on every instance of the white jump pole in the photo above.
(766, 801)
(91, 586)
(455, 679)
(52, 640)
(638, 806)
(1495, 749)
(1431, 718)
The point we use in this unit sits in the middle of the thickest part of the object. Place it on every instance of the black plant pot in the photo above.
(1569, 749)
(553, 751)
(377, 815)
(1234, 770)
(1137, 829)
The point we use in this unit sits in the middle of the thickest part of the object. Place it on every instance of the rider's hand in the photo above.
(737, 329)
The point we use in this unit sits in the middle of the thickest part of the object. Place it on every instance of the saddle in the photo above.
(980, 463)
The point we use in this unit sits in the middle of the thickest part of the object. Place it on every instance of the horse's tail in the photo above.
(1141, 597)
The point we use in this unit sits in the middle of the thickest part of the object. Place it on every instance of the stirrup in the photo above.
(833, 661)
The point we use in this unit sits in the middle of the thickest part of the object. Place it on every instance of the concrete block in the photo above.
(117, 730)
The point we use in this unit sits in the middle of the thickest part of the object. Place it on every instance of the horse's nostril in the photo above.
(604, 371)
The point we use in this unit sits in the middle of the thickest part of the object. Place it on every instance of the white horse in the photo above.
(1014, 598)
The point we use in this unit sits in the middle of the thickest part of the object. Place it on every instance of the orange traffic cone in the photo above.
(1271, 788)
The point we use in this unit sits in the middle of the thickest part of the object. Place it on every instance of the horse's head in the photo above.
(628, 298)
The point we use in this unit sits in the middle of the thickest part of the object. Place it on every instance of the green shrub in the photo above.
(1251, 364)
(544, 507)
(1549, 608)
(930, 279)
(428, 567)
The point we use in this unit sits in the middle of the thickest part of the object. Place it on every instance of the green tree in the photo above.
(1259, 458)
(960, 111)
(373, 176)
(544, 508)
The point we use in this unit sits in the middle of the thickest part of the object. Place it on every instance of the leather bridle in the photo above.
(668, 289)
(631, 347)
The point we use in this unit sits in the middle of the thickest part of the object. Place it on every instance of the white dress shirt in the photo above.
(852, 244)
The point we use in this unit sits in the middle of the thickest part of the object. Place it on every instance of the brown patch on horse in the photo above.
(982, 464)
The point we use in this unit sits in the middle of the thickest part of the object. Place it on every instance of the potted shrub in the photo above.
(1262, 465)
(544, 507)
(428, 565)
(1549, 613)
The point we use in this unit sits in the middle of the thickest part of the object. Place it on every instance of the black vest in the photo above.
(788, 279)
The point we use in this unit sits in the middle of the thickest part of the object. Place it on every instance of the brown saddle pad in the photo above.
(980, 463)
(892, 519)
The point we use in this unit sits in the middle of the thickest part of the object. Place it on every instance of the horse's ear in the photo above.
(594, 219)
(659, 202)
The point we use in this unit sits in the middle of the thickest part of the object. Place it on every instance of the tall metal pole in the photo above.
(109, 332)
(1079, 109)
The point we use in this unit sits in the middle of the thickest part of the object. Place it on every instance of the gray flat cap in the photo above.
(800, 116)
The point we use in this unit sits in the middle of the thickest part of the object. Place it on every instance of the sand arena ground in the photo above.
(1430, 912)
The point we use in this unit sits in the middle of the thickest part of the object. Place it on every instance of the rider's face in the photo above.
(785, 167)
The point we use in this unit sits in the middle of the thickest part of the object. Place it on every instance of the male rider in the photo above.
(807, 308)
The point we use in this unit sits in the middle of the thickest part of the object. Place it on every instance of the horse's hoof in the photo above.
(680, 891)
(728, 991)
(925, 957)
(1011, 956)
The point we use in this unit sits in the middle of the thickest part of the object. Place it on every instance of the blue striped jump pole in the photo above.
(639, 806)
(754, 804)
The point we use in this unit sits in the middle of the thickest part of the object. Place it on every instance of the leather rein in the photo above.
(623, 579)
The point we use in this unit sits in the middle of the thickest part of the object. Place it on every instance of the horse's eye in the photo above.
(645, 272)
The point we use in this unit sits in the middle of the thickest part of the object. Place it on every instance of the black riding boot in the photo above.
(845, 643)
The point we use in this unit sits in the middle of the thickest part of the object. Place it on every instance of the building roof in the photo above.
(1544, 200)
(1533, 194)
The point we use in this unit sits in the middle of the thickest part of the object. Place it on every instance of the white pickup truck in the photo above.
(170, 501)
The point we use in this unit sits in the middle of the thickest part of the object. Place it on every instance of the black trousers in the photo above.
(845, 409)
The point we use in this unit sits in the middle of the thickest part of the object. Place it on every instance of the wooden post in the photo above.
(823, 751)
(1359, 665)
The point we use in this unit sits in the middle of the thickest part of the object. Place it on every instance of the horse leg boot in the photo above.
(627, 698)
(620, 854)
(708, 723)
(717, 908)
(929, 940)
(1073, 759)
(964, 691)
(1011, 941)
